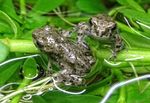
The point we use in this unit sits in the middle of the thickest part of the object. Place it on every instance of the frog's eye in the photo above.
(94, 21)
(112, 26)
(38, 44)
(90, 21)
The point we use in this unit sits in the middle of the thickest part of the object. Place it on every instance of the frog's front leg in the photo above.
(117, 44)
(51, 64)
(66, 33)
(82, 30)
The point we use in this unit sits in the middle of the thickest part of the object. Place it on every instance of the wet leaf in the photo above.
(30, 68)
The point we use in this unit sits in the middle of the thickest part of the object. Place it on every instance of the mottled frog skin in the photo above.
(100, 27)
(74, 60)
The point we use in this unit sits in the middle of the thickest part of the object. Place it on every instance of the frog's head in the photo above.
(45, 38)
(39, 36)
(103, 20)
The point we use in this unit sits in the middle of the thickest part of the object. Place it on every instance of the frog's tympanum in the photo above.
(74, 60)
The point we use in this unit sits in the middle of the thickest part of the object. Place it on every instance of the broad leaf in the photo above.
(8, 7)
(136, 15)
(59, 97)
(35, 21)
(134, 93)
(5, 18)
(133, 40)
(91, 6)
(131, 4)
(44, 6)
(7, 71)
(4, 51)
(30, 68)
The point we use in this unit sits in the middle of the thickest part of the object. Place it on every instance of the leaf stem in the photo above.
(24, 46)
(137, 56)
(65, 20)
(122, 90)
(22, 8)
(25, 82)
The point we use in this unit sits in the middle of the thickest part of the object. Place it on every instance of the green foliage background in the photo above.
(19, 18)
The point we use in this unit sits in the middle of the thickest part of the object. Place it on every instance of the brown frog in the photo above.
(100, 27)
(74, 60)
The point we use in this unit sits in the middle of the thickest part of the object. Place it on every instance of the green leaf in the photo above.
(4, 51)
(134, 93)
(99, 87)
(132, 4)
(5, 28)
(122, 2)
(133, 40)
(44, 6)
(59, 97)
(35, 21)
(30, 68)
(136, 15)
(97, 67)
(91, 6)
(8, 7)
(135, 5)
(8, 70)
(5, 18)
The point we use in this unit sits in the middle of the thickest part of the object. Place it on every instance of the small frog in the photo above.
(74, 60)
(100, 27)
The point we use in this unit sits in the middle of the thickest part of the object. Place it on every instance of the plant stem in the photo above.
(134, 55)
(25, 82)
(24, 46)
(22, 8)
(34, 86)
(63, 18)
(137, 56)
(27, 46)
(122, 91)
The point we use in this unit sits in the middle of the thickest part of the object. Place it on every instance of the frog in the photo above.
(73, 59)
(103, 28)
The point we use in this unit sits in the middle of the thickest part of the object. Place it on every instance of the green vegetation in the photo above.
(19, 18)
